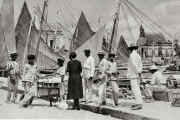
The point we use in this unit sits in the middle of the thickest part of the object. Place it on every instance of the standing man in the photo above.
(13, 74)
(30, 75)
(103, 68)
(75, 89)
(113, 75)
(134, 74)
(88, 73)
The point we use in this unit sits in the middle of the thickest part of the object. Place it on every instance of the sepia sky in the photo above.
(164, 12)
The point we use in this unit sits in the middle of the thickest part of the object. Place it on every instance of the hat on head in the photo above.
(153, 67)
(13, 55)
(133, 46)
(112, 55)
(101, 53)
(87, 50)
(31, 57)
(60, 60)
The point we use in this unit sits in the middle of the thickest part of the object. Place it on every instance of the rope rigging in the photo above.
(149, 19)
(127, 23)
(137, 16)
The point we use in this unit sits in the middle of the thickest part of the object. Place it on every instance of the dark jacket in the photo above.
(75, 89)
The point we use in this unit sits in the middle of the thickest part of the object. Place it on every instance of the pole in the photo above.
(41, 22)
(172, 50)
(27, 41)
(115, 26)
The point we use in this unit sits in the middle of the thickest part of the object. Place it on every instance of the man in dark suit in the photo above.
(75, 89)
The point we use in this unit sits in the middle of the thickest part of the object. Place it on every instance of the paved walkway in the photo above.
(41, 110)
(158, 110)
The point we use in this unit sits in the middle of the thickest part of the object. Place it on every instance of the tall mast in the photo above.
(115, 26)
(43, 19)
(27, 41)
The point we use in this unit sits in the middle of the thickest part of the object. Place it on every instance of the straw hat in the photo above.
(101, 53)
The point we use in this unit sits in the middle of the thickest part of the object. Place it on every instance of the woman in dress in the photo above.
(75, 89)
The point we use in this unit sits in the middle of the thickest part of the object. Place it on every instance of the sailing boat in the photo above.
(30, 40)
(7, 41)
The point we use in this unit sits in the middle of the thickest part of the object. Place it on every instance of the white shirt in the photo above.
(30, 73)
(89, 67)
(104, 66)
(158, 78)
(61, 71)
(113, 67)
(135, 65)
(13, 66)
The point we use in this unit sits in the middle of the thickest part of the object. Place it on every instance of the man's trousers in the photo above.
(12, 89)
(30, 92)
(135, 86)
(87, 88)
(115, 91)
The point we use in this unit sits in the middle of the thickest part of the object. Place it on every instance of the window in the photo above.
(51, 43)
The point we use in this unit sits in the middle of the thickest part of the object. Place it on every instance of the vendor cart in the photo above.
(49, 88)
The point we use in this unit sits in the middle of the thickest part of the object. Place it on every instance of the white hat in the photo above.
(101, 53)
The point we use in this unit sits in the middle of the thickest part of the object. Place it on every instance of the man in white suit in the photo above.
(103, 68)
(88, 73)
(134, 74)
(113, 76)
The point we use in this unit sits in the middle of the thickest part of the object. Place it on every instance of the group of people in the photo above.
(29, 77)
(80, 77)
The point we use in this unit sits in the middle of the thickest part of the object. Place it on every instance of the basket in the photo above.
(161, 95)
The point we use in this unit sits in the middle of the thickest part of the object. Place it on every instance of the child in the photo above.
(30, 74)
(13, 74)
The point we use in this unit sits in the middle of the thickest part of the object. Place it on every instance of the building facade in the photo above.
(155, 46)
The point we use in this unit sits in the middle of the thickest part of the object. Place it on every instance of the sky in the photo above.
(164, 12)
